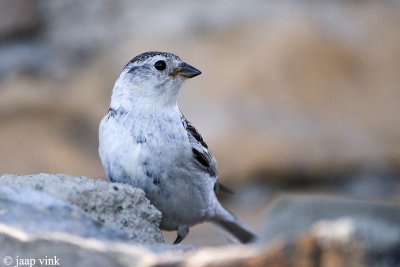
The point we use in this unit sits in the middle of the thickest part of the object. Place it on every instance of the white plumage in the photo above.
(145, 141)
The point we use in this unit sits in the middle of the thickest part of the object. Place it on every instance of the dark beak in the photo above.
(185, 70)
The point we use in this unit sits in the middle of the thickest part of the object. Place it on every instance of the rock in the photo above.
(301, 100)
(38, 213)
(374, 238)
(292, 216)
(305, 251)
(77, 221)
(115, 205)
(68, 250)
(338, 230)
(18, 18)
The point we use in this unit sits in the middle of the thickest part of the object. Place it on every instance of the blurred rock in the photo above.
(370, 229)
(315, 95)
(113, 205)
(291, 216)
(305, 251)
(68, 250)
(310, 248)
(372, 184)
(290, 90)
(374, 238)
(18, 18)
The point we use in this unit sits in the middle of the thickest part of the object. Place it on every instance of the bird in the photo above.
(145, 141)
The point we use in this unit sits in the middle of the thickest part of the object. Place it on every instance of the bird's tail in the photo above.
(235, 227)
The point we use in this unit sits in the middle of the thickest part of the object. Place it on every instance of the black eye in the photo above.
(160, 65)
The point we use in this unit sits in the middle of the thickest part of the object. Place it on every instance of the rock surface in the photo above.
(67, 250)
(38, 213)
(115, 205)
(35, 225)
(77, 221)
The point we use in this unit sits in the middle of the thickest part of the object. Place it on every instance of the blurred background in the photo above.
(295, 96)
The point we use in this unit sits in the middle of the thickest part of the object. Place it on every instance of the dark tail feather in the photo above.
(237, 229)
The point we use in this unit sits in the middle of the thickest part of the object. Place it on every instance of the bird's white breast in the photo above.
(139, 139)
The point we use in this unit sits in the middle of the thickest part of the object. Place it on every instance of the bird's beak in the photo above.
(185, 70)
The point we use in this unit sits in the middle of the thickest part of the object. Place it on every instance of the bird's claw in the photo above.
(178, 240)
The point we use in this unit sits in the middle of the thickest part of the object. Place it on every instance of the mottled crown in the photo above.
(144, 56)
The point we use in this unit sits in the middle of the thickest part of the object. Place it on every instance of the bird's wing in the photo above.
(201, 155)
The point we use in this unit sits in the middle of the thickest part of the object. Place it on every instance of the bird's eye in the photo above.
(160, 65)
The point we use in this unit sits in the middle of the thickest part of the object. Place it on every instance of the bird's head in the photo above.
(152, 78)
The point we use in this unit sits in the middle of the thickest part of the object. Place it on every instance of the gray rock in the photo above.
(379, 239)
(292, 216)
(338, 222)
(115, 205)
(68, 250)
(38, 213)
